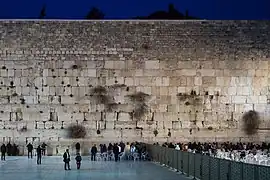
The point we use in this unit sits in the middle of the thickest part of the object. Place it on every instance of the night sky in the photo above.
(125, 9)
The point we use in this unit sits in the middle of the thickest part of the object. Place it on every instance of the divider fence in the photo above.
(205, 167)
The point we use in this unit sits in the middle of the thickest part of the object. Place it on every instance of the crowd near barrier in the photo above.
(205, 167)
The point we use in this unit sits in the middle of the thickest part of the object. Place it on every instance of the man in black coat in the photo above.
(116, 152)
(93, 153)
(3, 152)
(39, 152)
(9, 149)
(78, 147)
(43, 148)
(30, 150)
(66, 159)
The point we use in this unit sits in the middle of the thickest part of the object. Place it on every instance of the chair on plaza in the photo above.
(104, 156)
(136, 156)
(121, 155)
(144, 155)
(99, 156)
(111, 156)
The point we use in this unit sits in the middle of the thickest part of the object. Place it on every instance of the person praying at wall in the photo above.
(93, 153)
(30, 150)
(116, 150)
(3, 152)
(43, 148)
(66, 159)
(78, 159)
(39, 152)
(77, 147)
(9, 149)
(15, 150)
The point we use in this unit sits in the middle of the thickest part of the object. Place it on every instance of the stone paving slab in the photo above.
(52, 168)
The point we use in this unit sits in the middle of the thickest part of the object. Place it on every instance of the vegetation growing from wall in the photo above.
(140, 107)
(23, 129)
(251, 121)
(189, 99)
(76, 131)
(100, 94)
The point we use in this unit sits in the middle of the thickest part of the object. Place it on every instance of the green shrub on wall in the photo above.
(100, 94)
(140, 107)
(251, 121)
(76, 131)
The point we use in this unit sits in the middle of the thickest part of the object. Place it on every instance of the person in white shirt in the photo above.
(133, 149)
(177, 147)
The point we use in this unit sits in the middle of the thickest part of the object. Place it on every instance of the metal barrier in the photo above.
(205, 167)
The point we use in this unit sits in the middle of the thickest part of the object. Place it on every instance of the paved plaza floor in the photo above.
(52, 168)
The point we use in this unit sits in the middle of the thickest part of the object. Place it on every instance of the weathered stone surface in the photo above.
(196, 75)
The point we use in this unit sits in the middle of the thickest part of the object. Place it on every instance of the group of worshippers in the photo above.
(12, 150)
(211, 148)
(78, 158)
(9, 149)
(116, 149)
(40, 151)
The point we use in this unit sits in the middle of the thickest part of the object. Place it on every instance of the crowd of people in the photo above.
(211, 148)
(116, 152)
(9, 149)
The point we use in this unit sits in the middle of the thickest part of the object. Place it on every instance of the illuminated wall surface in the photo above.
(192, 80)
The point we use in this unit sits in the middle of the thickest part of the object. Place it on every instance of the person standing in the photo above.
(30, 150)
(39, 153)
(66, 159)
(3, 152)
(78, 147)
(116, 152)
(43, 148)
(93, 153)
(78, 159)
(9, 149)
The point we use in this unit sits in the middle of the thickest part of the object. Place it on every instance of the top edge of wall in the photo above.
(100, 20)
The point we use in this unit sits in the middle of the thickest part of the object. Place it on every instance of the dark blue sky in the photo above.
(77, 9)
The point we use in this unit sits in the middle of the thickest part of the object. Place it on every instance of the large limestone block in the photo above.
(125, 124)
(91, 73)
(208, 81)
(124, 117)
(239, 99)
(244, 90)
(207, 72)
(129, 81)
(152, 64)
(110, 125)
(178, 81)
(130, 134)
(186, 72)
(252, 99)
(151, 72)
(94, 116)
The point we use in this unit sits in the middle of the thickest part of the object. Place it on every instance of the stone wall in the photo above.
(195, 79)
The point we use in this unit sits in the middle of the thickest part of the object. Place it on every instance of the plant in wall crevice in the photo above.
(76, 131)
(140, 107)
(155, 132)
(116, 86)
(169, 133)
(23, 129)
(111, 107)
(100, 94)
(251, 121)
(190, 99)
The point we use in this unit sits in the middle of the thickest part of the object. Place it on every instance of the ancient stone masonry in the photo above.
(133, 80)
